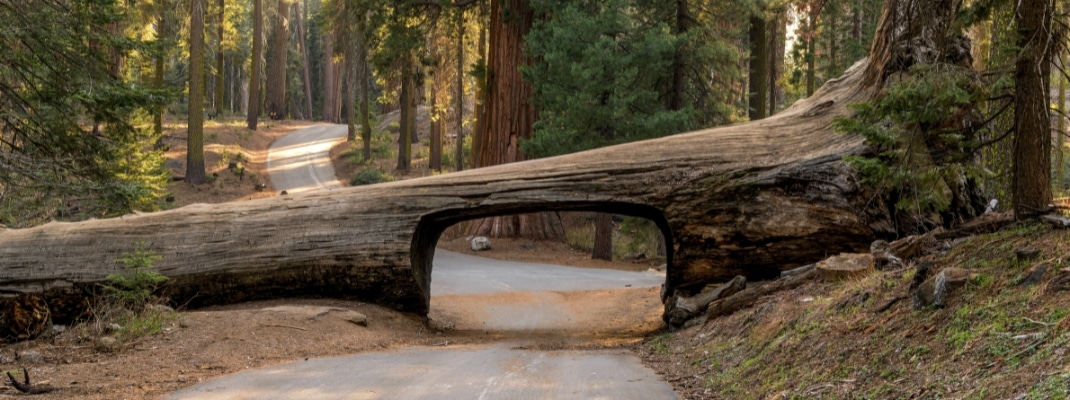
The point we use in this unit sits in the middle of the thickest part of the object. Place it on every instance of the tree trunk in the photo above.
(1032, 115)
(195, 136)
(350, 62)
(253, 112)
(459, 96)
(305, 73)
(481, 90)
(740, 200)
(603, 237)
(759, 66)
(276, 78)
(406, 117)
(811, 49)
(365, 120)
(220, 60)
(679, 67)
(510, 117)
(1060, 129)
(749, 199)
(329, 98)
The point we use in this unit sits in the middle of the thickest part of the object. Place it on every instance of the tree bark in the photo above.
(350, 62)
(276, 78)
(220, 65)
(253, 112)
(759, 67)
(603, 237)
(305, 73)
(365, 120)
(405, 99)
(679, 67)
(510, 117)
(459, 95)
(195, 134)
(1032, 115)
(770, 195)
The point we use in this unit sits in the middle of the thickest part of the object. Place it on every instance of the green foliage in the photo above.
(70, 144)
(136, 285)
(448, 154)
(595, 77)
(370, 176)
(920, 150)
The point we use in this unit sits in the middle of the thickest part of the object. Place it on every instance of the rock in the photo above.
(935, 290)
(1034, 276)
(528, 245)
(58, 329)
(106, 344)
(355, 318)
(30, 357)
(845, 266)
(113, 327)
(183, 324)
(480, 243)
(24, 317)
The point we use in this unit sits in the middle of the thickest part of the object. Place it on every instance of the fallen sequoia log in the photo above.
(750, 199)
(742, 200)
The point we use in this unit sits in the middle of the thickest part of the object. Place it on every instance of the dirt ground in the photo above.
(225, 139)
(197, 345)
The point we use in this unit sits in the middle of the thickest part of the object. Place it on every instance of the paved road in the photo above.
(455, 273)
(487, 372)
(300, 161)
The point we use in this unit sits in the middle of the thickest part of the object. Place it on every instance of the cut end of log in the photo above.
(845, 266)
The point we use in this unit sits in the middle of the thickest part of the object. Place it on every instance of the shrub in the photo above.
(370, 176)
(134, 288)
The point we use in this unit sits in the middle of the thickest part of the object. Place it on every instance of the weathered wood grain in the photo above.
(749, 199)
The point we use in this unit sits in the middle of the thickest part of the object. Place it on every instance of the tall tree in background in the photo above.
(459, 96)
(253, 113)
(166, 32)
(195, 136)
(276, 76)
(306, 78)
(1032, 115)
(220, 67)
(759, 65)
(509, 117)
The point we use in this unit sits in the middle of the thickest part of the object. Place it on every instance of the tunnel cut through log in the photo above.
(431, 227)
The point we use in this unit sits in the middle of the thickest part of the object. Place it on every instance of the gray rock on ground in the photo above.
(480, 243)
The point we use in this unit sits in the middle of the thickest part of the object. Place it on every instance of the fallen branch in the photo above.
(889, 304)
(685, 308)
(750, 295)
(26, 386)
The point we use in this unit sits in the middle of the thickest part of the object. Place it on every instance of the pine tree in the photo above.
(195, 137)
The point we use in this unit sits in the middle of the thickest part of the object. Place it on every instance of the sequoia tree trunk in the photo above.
(253, 113)
(750, 199)
(510, 117)
(276, 78)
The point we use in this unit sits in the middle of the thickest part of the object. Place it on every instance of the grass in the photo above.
(993, 340)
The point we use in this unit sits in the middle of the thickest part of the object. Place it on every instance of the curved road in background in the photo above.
(300, 162)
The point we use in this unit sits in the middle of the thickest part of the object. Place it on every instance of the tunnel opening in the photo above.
(542, 271)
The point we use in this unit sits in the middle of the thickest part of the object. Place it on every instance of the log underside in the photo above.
(750, 199)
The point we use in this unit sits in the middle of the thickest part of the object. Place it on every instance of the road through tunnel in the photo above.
(537, 280)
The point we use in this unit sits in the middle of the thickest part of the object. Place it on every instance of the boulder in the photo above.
(480, 243)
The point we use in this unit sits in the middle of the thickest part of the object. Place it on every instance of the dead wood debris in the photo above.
(26, 386)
